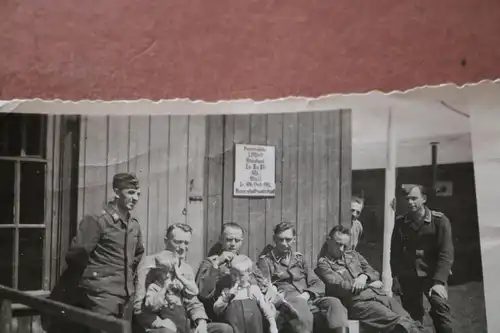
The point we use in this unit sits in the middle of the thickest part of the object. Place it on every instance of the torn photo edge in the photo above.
(299, 160)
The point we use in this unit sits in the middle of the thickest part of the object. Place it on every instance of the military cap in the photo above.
(125, 181)
(407, 188)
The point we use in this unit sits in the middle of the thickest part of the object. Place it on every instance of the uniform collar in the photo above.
(426, 218)
(113, 211)
(279, 258)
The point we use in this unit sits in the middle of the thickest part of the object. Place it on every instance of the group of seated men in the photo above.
(299, 298)
(107, 273)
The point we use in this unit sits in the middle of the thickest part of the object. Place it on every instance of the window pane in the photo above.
(6, 261)
(35, 140)
(7, 172)
(10, 134)
(32, 203)
(31, 258)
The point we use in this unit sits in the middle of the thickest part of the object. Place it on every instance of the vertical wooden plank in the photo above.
(257, 222)
(241, 205)
(95, 164)
(273, 205)
(69, 136)
(56, 200)
(196, 158)
(5, 315)
(333, 144)
(118, 149)
(49, 197)
(139, 164)
(345, 168)
(36, 325)
(81, 168)
(305, 186)
(320, 180)
(214, 179)
(178, 160)
(24, 324)
(158, 182)
(228, 135)
(290, 169)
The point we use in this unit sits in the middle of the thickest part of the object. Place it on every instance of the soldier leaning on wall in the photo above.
(102, 260)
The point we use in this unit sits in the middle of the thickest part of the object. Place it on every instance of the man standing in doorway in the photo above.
(422, 257)
(177, 242)
(103, 257)
(357, 205)
(302, 289)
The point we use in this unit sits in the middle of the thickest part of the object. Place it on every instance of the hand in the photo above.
(396, 287)
(440, 290)
(234, 289)
(393, 204)
(273, 328)
(376, 284)
(359, 284)
(201, 327)
(305, 295)
(225, 256)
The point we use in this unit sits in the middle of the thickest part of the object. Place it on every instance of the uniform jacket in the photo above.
(292, 279)
(144, 314)
(424, 247)
(213, 279)
(339, 275)
(107, 251)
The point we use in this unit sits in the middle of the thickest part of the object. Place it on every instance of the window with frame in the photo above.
(24, 178)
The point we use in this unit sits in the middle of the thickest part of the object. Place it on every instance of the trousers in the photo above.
(329, 312)
(412, 288)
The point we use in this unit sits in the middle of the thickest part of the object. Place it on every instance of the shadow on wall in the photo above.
(460, 207)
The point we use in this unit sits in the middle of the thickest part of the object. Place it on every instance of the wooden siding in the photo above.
(313, 177)
(167, 154)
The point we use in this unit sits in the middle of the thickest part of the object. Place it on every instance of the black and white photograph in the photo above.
(352, 219)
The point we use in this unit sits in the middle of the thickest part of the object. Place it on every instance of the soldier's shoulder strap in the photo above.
(437, 214)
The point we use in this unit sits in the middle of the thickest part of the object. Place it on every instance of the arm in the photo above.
(187, 281)
(143, 270)
(368, 270)
(222, 302)
(195, 309)
(261, 281)
(264, 268)
(315, 286)
(445, 251)
(86, 239)
(155, 297)
(139, 250)
(332, 279)
(268, 310)
(206, 279)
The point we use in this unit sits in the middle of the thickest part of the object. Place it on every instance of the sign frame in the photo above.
(254, 171)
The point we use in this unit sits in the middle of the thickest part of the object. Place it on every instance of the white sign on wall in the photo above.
(254, 173)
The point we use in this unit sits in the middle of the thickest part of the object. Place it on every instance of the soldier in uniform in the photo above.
(213, 275)
(292, 276)
(103, 258)
(348, 276)
(421, 259)
(177, 241)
